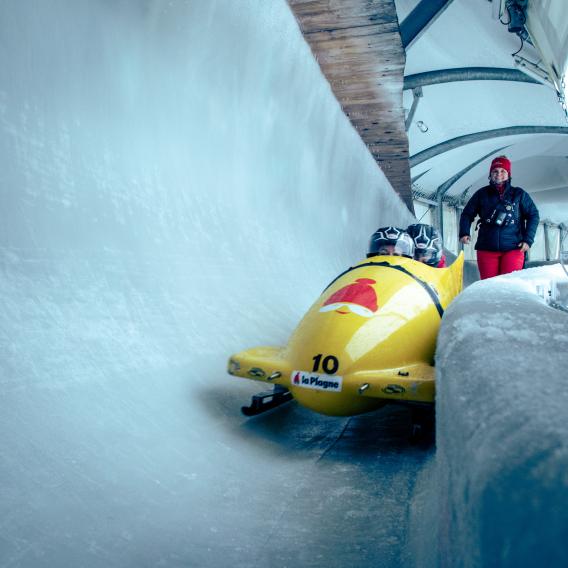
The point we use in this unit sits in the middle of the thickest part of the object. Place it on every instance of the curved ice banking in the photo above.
(177, 182)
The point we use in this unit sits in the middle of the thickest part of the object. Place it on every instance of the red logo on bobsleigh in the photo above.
(359, 298)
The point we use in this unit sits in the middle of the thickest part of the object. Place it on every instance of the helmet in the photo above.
(391, 241)
(427, 243)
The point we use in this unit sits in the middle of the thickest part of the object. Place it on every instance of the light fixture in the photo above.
(533, 70)
(422, 126)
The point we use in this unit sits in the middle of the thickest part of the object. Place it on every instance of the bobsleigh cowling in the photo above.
(369, 339)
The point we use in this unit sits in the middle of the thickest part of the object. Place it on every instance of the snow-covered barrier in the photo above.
(502, 428)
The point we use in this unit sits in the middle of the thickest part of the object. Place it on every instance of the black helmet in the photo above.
(427, 243)
(391, 241)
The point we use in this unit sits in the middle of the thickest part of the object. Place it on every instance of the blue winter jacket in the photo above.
(518, 212)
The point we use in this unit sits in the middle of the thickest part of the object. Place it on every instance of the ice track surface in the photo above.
(178, 183)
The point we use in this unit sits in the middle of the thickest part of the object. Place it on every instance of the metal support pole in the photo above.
(439, 198)
(563, 247)
(546, 242)
(459, 209)
(466, 74)
(458, 243)
(417, 94)
(479, 136)
(420, 19)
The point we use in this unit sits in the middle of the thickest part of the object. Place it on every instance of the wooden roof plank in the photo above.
(358, 47)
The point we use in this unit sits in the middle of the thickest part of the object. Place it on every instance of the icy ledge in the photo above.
(502, 426)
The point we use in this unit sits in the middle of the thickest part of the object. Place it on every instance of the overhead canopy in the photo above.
(475, 105)
(466, 99)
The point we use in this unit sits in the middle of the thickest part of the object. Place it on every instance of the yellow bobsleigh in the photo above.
(369, 339)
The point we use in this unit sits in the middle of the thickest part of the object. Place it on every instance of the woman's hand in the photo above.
(524, 246)
(465, 239)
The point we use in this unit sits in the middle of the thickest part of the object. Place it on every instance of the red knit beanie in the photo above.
(501, 162)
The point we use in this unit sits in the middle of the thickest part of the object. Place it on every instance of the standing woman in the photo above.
(508, 219)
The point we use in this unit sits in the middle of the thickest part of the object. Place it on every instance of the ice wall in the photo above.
(190, 147)
(501, 497)
(178, 183)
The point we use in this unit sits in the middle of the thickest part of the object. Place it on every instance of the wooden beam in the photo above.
(358, 47)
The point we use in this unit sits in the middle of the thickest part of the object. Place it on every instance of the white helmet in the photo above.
(391, 241)
(427, 243)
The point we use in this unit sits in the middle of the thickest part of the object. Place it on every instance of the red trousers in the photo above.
(494, 263)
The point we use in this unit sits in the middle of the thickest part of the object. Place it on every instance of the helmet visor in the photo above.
(398, 248)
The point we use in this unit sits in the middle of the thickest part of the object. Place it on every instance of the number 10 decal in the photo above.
(330, 364)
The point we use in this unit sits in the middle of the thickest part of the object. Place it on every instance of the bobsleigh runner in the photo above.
(368, 340)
